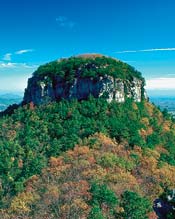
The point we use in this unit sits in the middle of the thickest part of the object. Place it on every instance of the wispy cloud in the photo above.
(13, 65)
(6, 65)
(127, 51)
(19, 52)
(7, 57)
(161, 83)
(147, 50)
(65, 22)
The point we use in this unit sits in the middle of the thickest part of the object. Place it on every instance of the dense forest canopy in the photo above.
(88, 66)
(34, 139)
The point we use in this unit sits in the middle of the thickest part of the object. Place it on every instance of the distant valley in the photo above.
(7, 99)
(164, 103)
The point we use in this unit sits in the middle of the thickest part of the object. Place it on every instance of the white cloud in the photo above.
(158, 49)
(5, 65)
(127, 51)
(147, 50)
(160, 84)
(7, 57)
(19, 52)
(63, 21)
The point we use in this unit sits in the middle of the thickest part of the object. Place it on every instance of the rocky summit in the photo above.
(81, 76)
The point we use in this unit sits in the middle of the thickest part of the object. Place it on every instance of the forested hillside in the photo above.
(90, 159)
(127, 150)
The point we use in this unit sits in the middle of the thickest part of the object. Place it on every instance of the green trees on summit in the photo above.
(87, 67)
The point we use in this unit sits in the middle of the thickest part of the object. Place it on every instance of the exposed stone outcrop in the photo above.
(43, 89)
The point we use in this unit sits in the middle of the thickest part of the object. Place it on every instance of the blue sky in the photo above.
(139, 32)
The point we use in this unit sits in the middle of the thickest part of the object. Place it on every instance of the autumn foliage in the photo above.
(86, 159)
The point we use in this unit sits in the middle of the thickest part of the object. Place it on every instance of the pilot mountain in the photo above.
(85, 142)
(80, 77)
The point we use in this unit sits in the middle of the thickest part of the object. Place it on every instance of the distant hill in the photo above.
(9, 99)
(166, 102)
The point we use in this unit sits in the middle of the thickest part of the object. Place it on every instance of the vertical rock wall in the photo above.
(40, 89)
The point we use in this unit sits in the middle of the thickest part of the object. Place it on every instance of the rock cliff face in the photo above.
(80, 77)
(40, 90)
